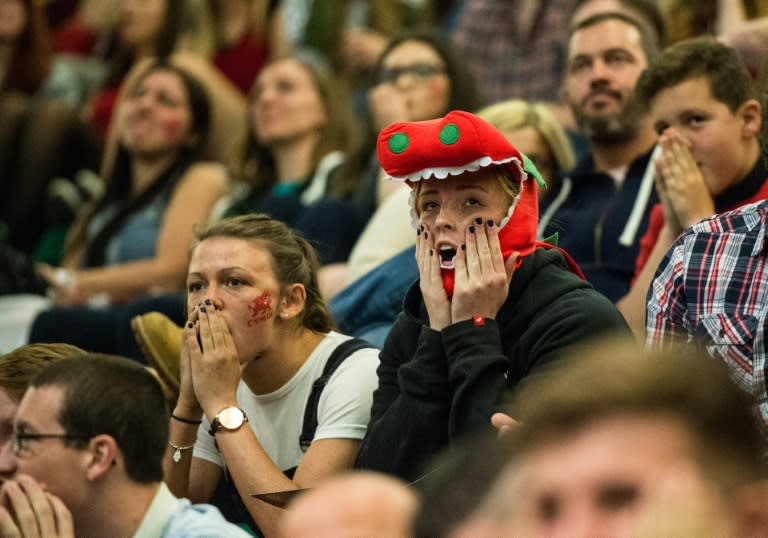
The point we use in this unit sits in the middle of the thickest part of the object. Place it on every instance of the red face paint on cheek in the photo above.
(261, 309)
(173, 129)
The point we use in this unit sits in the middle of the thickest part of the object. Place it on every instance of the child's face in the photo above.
(723, 143)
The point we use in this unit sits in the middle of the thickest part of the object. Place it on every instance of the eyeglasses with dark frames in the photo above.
(19, 440)
(421, 71)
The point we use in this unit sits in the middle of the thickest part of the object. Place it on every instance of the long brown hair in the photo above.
(32, 56)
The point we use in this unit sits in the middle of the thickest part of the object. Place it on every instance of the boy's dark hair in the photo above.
(648, 44)
(729, 80)
(115, 396)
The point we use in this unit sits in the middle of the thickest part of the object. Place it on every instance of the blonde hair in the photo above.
(517, 114)
(18, 367)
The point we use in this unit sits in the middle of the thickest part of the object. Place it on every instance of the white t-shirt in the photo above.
(277, 418)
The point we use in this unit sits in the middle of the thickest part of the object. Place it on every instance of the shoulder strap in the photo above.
(339, 355)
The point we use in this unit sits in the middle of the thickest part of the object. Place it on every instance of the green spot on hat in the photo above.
(449, 134)
(398, 142)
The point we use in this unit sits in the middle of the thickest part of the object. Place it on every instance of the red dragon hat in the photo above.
(457, 143)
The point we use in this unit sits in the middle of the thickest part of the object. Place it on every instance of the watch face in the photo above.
(231, 418)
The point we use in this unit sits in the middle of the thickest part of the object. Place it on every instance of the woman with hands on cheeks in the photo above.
(257, 337)
(492, 305)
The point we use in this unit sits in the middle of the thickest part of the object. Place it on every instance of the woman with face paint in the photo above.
(134, 239)
(257, 337)
(492, 304)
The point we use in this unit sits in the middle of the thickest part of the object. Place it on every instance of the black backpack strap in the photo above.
(339, 355)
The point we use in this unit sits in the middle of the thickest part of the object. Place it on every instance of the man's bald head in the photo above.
(354, 504)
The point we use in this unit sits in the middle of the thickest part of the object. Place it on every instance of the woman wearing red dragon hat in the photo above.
(492, 305)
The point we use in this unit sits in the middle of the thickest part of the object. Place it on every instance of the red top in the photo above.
(242, 62)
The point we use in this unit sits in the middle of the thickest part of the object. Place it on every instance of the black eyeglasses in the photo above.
(420, 71)
(19, 440)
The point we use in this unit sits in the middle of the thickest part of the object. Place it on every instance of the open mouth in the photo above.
(447, 257)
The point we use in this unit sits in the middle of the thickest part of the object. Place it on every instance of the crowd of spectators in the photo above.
(309, 268)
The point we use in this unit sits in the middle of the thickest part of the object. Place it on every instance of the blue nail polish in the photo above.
(202, 309)
(490, 223)
(471, 229)
(478, 220)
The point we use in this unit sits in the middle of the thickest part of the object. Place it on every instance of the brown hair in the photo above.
(19, 366)
(609, 379)
(32, 56)
(294, 260)
(705, 57)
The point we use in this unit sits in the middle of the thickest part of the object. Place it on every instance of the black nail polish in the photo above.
(208, 302)
(471, 229)
(426, 235)
(430, 252)
(490, 223)
(463, 246)
(478, 220)
(202, 309)
(190, 324)
(418, 232)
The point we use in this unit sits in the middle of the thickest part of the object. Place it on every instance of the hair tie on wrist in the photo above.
(186, 420)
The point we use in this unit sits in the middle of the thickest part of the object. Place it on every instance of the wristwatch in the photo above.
(229, 419)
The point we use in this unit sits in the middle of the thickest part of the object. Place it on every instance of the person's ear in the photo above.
(293, 301)
(751, 114)
(102, 455)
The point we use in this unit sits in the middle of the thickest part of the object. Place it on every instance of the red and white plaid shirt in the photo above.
(711, 289)
(508, 64)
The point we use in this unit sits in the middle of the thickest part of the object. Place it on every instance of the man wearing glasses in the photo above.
(89, 438)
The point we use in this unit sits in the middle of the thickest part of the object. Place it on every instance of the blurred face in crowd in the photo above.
(627, 475)
(417, 72)
(603, 65)
(722, 142)
(156, 117)
(13, 19)
(141, 21)
(286, 104)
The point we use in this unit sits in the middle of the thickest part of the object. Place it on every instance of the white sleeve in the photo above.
(344, 408)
